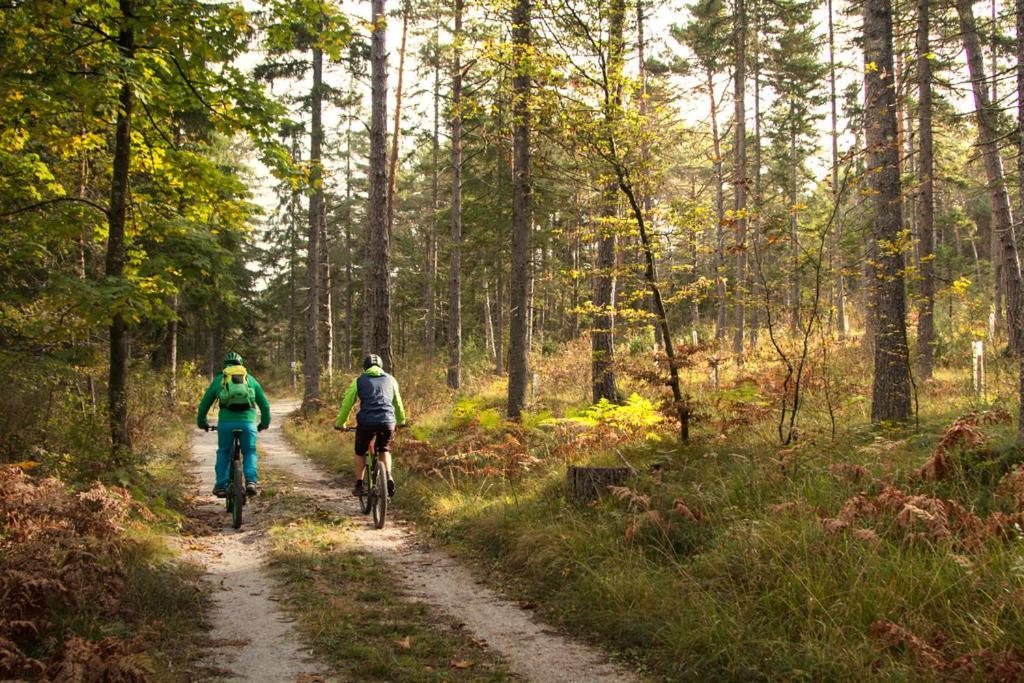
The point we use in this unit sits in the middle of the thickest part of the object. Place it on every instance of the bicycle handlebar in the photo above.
(209, 428)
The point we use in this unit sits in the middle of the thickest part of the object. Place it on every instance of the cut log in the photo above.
(589, 483)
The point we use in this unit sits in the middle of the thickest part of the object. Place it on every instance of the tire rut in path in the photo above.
(533, 650)
(251, 637)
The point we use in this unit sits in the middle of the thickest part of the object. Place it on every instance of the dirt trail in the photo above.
(250, 636)
(532, 649)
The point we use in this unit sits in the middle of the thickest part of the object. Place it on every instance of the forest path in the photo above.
(250, 637)
(532, 649)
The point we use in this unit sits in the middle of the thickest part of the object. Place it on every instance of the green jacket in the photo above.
(213, 393)
(378, 397)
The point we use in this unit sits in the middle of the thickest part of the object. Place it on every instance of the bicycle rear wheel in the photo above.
(380, 484)
(366, 499)
(237, 492)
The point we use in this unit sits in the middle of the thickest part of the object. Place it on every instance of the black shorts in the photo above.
(367, 433)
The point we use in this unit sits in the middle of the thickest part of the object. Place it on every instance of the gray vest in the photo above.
(376, 396)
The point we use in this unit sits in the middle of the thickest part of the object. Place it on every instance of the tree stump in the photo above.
(589, 483)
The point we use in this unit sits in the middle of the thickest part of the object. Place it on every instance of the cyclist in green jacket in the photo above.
(239, 394)
(380, 412)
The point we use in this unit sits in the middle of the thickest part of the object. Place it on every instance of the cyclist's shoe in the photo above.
(220, 491)
(251, 489)
(391, 488)
(357, 490)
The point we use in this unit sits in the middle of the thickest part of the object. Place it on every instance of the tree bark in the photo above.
(521, 210)
(430, 291)
(117, 251)
(499, 320)
(740, 178)
(890, 399)
(926, 205)
(838, 286)
(311, 359)
(719, 212)
(396, 134)
(603, 331)
(455, 274)
(988, 132)
(376, 272)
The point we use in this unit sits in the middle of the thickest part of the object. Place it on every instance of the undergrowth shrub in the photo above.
(60, 551)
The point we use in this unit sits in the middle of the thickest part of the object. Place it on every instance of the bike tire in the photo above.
(238, 493)
(380, 507)
(366, 499)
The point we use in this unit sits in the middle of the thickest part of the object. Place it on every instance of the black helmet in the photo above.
(232, 358)
(371, 360)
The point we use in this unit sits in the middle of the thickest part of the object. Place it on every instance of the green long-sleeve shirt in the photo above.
(381, 398)
(213, 393)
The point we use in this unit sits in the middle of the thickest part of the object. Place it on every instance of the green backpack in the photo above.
(236, 392)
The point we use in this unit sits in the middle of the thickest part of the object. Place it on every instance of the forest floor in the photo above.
(305, 541)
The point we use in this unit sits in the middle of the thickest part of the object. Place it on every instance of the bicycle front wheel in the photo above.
(237, 492)
(380, 507)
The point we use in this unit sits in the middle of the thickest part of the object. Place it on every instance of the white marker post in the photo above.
(978, 363)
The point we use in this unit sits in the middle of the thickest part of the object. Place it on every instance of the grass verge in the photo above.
(349, 611)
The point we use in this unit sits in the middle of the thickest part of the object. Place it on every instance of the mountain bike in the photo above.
(235, 500)
(375, 485)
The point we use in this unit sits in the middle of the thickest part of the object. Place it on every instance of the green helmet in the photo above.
(232, 358)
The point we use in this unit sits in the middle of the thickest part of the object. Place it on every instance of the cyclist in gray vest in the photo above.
(380, 412)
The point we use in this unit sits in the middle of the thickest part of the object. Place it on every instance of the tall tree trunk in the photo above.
(603, 332)
(349, 280)
(794, 234)
(521, 205)
(740, 178)
(838, 286)
(648, 202)
(499, 320)
(117, 251)
(890, 399)
(172, 350)
(314, 251)
(430, 291)
(926, 205)
(396, 135)
(988, 133)
(326, 302)
(719, 212)
(755, 223)
(455, 283)
(376, 271)
(488, 321)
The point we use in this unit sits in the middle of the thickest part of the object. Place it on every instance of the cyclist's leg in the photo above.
(362, 447)
(383, 446)
(225, 441)
(249, 457)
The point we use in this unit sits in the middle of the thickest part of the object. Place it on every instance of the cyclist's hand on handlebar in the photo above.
(261, 428)
(208, 427)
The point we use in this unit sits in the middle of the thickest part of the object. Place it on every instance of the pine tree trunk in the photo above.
(172, 350)
(455, 283)
(988, 132)
(349, 280)
(430, 291)
(603, 332)
(314, 252)
(376, 271)
(740, 178)
(499, 320)
(117, 251)
(755, 223)
(326, 302)
(926, 205)
(794, 235)
(719, 213)
(890, 399)
(521, 204)
(838, 286)
(396, 134)
(488, 321)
